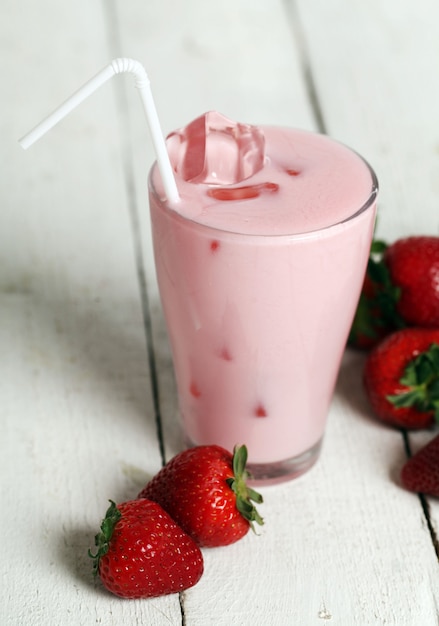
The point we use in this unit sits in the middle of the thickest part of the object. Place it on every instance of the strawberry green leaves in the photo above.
(376, 313)
(245, 495)
(204, 490)
(421, 377)
(102, 539)
(143, 553)
(400, 378)
(387, 294)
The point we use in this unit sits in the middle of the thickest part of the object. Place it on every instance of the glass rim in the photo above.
(371, 200)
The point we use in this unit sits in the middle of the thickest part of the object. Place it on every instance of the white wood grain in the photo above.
(376, 71)
(384, 100)
(76, 399)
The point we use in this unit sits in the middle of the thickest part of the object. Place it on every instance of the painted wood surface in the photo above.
(87, 396)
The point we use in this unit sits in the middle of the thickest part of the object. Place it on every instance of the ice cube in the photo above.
(215, 150)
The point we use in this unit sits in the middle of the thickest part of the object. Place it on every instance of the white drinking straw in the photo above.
(117, 66)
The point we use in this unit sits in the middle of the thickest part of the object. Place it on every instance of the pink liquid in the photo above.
(259, 291)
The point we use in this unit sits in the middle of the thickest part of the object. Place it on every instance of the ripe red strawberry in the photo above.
(413, 265)
(401, 378)
(204, 490)
(376, 315)
(421, 472)
(142, 553)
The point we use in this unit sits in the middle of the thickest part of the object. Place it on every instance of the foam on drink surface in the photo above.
(238, 177)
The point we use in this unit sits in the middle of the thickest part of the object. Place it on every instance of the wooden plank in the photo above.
(73, 401)
(384, 102)
(375, 70)
(78, 419)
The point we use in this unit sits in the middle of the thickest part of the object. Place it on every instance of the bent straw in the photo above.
(117, 66)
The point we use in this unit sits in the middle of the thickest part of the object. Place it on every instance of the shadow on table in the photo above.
(350, 388)
(350, 383)
(97, 348)
(73, 546)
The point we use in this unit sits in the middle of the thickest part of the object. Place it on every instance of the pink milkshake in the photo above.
(260, 266)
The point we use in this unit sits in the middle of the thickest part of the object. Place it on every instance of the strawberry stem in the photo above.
(377, 311)
(102, 539)
(245, 495)
(421, 377)
(387, 294)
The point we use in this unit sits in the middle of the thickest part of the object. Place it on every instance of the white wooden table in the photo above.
(87, 396)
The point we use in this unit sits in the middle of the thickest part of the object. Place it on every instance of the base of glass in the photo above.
(282, 471)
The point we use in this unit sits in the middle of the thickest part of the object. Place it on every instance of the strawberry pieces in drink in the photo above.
(260, 411)
(142, 553)
(204, 490)
(401, 378)
(421, 472)
(246, 192)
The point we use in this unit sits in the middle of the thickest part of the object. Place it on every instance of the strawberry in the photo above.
(413, 265)
(376, 315)
(204, 490)
(421, 472)
(142, 553)
(401, 378)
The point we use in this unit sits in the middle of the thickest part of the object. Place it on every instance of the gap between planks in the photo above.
(128, 172)
(423, 500)
(130, 185)
(299, 38)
